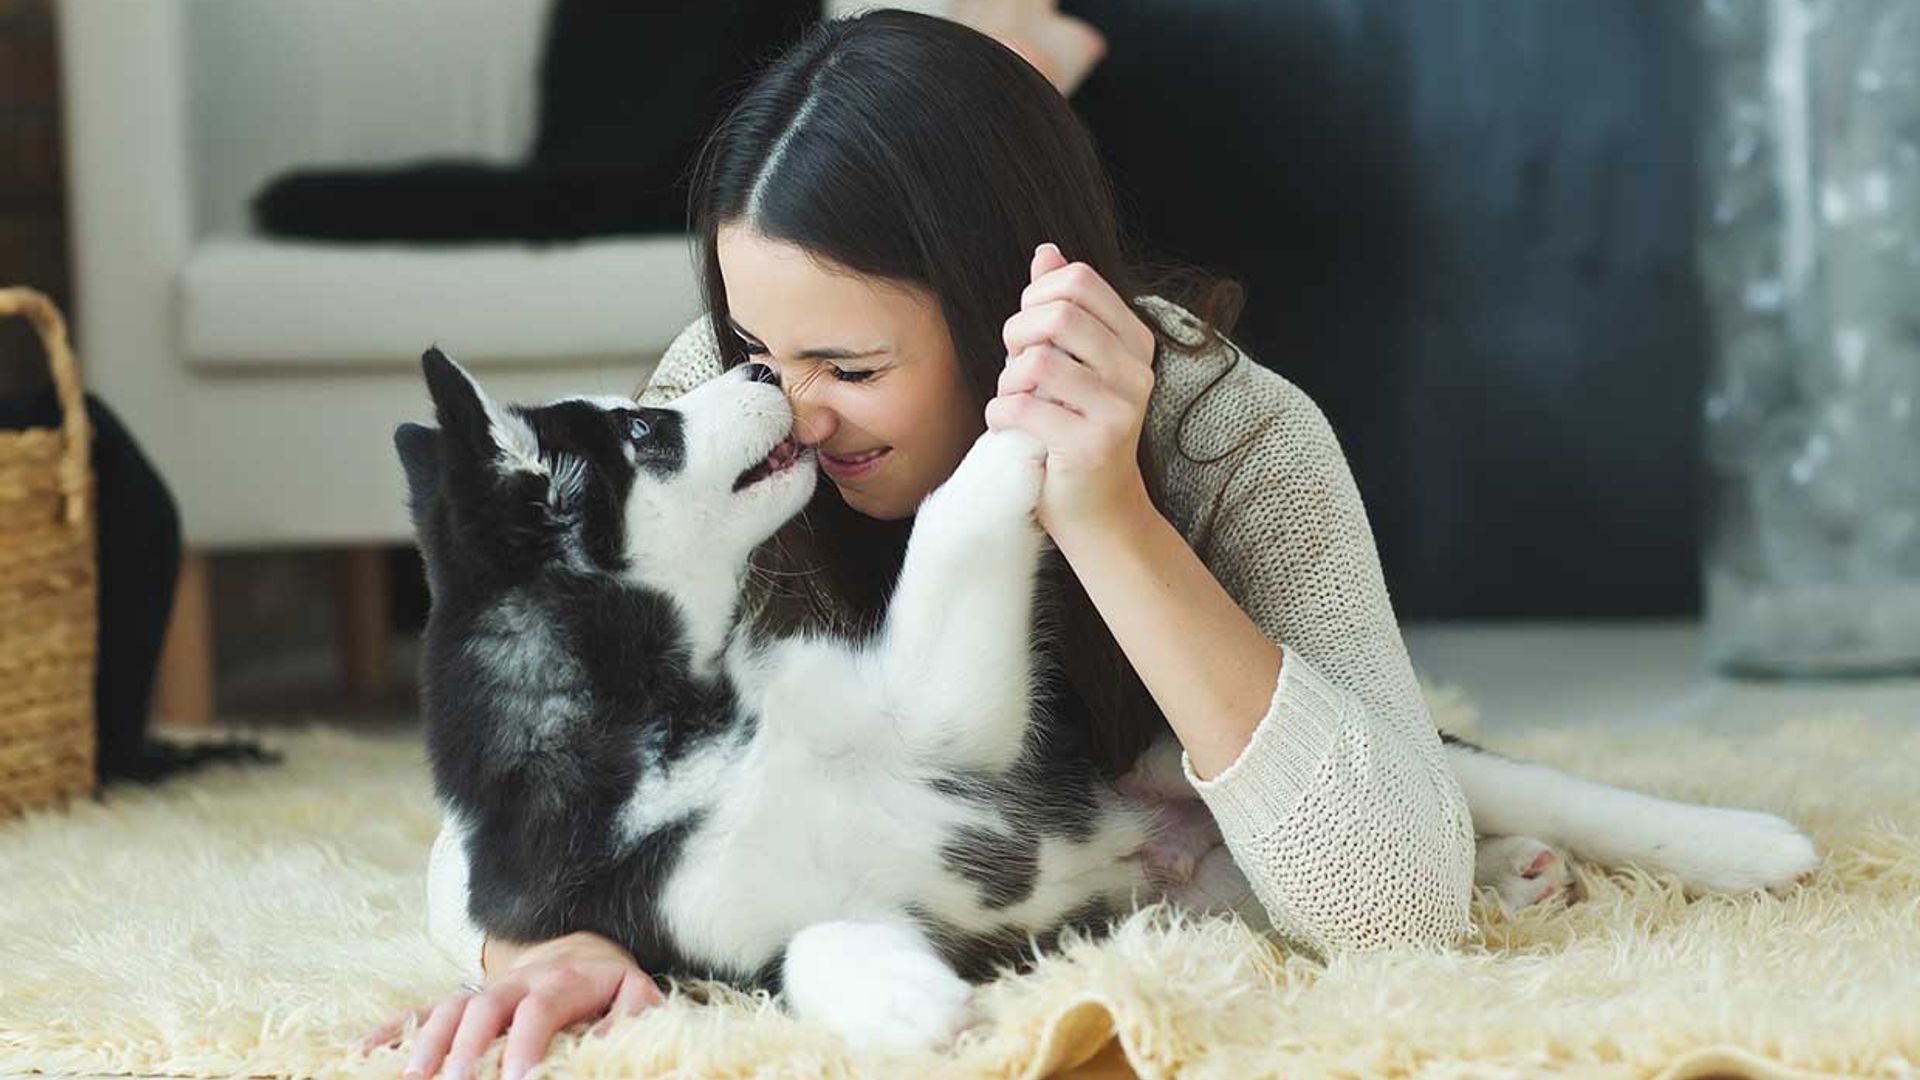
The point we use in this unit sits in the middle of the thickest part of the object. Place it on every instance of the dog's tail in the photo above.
(1708, 848)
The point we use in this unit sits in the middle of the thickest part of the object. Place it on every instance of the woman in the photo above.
(908, 223)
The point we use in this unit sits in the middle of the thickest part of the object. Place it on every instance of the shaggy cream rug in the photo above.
(259, 920)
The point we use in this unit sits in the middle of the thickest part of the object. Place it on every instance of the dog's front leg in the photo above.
(955, 654)
(880, 984)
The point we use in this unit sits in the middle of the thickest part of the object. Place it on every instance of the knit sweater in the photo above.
(1341, 810)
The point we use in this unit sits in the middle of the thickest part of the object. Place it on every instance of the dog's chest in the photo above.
(787, 837)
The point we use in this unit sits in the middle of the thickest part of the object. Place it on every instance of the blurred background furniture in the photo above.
(266, 376)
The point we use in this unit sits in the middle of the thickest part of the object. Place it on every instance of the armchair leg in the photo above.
(363, 627)
(184, 695)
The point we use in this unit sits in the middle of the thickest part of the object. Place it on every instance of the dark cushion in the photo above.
(627, 92)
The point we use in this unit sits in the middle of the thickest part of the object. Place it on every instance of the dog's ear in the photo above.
(459, 404)
(475, 427)
(419, 449)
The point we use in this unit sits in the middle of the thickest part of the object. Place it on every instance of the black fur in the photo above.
(541, 808)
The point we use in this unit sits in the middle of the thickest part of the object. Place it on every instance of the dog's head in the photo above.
(602, 485)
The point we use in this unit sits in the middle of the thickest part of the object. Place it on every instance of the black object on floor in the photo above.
(139, 563)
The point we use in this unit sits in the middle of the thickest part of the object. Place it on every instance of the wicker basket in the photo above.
(47, 588)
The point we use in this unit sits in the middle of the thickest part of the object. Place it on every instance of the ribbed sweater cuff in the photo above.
(1263, 784)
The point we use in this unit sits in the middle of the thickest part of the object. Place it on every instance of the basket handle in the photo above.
(45, 317)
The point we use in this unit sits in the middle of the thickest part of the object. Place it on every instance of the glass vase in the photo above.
(1809, 253)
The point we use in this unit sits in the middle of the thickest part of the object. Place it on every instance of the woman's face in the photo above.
(867, 363)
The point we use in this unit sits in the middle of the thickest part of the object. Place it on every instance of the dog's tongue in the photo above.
(783, 454)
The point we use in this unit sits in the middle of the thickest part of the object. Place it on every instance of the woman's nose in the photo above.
(812, 424)
(763, 373)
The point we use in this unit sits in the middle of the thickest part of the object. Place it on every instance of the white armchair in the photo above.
(265, 377)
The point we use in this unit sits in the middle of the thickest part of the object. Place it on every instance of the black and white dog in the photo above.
(865, 827)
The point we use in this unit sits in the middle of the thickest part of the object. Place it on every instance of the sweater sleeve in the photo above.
(1341, 810)
(448, 924)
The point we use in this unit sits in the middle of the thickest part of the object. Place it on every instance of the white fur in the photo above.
(689, 535)
(878, 983)
(827, 812)
(519, 446)
(954, 665)
(1707, 848)
(1521, 871)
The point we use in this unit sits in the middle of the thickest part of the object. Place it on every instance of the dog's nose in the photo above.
(763, 373)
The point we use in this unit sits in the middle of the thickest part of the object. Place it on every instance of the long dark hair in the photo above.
(914, 149)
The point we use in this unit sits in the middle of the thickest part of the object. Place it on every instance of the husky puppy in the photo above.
(864, 826)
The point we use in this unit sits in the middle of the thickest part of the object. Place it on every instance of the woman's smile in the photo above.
(844, 467)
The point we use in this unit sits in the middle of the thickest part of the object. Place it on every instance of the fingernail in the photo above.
(414, 1072)
(455, 1070)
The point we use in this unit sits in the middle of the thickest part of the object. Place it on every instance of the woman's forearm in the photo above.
(1208, 667)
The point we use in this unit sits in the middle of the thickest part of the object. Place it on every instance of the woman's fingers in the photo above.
(539, 1017)
(1051, 423)
(1052, 375)
(1046, 259)
(385, 1034)
(430, 1043)
(1066, 325)
(486, 1016)
(1083, 285)
(638, 993)
(550, 986)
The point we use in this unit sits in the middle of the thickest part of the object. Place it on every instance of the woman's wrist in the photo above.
(498, 955)
(1125, 521)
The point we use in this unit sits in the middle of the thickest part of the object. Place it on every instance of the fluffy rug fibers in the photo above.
(258, 920)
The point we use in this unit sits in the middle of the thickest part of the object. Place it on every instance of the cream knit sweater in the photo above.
(1342, 810)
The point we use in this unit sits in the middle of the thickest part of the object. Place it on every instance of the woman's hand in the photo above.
(548, 987)
(1078, 375)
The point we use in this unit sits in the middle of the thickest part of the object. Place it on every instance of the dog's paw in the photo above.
(880, 985)
(1522, 871)
(1183, 831)
(998, 482)
(1737, 851)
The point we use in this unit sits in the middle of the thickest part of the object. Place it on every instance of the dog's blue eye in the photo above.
(638, 428)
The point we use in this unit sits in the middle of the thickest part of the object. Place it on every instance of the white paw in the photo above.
(1218, 886)
(880, 985)
(1522, 871)
(998, 481)
(1739, 851)
(1183, 832)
